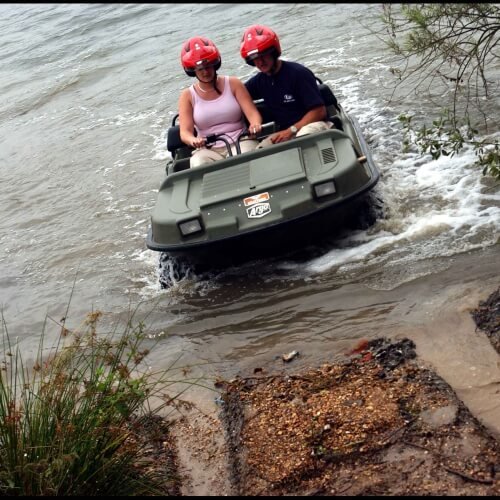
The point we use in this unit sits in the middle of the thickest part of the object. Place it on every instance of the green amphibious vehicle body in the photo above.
(277, 196)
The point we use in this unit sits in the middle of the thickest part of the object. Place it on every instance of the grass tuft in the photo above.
(70, 424)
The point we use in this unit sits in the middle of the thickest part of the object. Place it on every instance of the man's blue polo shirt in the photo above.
(289, 94)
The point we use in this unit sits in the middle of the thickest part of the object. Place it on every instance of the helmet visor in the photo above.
(205, 64)
(253, 54)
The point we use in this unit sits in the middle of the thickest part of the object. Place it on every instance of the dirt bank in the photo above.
(379, 423)
(487, 318)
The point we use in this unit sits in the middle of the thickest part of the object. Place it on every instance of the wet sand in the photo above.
(378, 424)
(374, 424)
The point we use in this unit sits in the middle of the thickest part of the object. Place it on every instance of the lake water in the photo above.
(87, 93)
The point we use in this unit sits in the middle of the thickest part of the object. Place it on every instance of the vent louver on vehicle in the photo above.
(328, 155)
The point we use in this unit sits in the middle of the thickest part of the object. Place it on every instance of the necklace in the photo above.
(201, 90)
(205, 91)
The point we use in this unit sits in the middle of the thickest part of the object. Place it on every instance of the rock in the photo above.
(288, 357)
(437, 417)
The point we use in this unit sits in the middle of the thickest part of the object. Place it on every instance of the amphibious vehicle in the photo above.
(273, 198)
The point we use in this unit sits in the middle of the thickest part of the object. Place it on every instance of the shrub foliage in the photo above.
(69, 424)
(450, 46)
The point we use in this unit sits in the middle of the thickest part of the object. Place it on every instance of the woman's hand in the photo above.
(197, 142)
(254, 128)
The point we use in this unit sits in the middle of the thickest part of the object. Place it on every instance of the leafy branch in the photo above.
(450, 45)
(447, 137)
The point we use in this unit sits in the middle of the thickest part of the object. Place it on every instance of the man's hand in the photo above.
(282, 136)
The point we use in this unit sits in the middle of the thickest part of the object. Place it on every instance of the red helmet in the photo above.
(259, 39)
(199, 52)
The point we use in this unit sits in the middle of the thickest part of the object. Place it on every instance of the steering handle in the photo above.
(266, 129)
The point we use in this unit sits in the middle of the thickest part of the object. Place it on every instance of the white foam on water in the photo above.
(437, 207)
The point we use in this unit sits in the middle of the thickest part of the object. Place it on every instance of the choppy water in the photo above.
(87, 92)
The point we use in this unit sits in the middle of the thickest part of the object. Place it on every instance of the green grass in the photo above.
(70, 424)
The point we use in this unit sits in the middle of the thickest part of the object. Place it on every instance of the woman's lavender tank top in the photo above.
(222, 115)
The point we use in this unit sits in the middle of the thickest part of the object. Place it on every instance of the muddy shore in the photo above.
(380, 423)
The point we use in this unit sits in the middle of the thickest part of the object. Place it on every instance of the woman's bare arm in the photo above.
(186, 122)
(247, 105)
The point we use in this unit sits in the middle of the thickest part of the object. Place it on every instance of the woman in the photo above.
(213, 105)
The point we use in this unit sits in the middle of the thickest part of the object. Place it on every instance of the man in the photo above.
(289, 89)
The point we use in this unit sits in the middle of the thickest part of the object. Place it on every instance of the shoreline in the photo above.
(216, 454)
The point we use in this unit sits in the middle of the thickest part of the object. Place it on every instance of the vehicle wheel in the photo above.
(371, 209)
(172, 270)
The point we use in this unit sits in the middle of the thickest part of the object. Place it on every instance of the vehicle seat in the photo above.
(329, 99)
(181, 164)
(332, 105)
(174, 144)
(176, 147)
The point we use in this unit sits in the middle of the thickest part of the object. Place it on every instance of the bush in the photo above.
(448, 49)
(71, 423)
